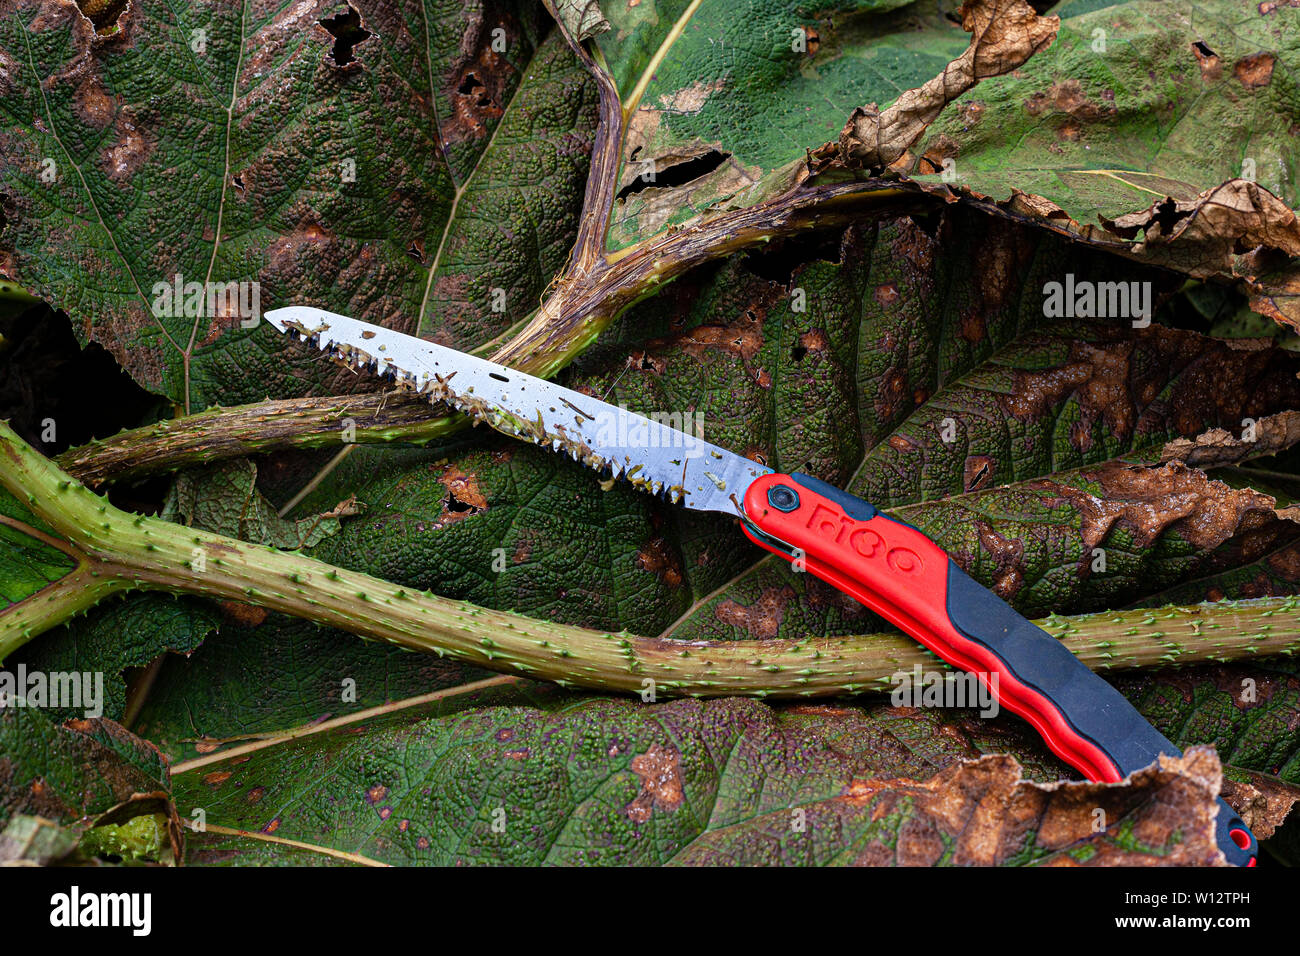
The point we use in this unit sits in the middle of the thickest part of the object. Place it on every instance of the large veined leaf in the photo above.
(1133, 102)
(273, 143)
(613, 782)
(856, 391)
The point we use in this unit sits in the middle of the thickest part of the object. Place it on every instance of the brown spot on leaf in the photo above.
(1097, 377)
(1255, 70)
(660, 771)
(886, 294)
(815, 341)
(762, 619)
(901, 443)
(1151, 501)
(1210, 63)
(376, 793)
(1067, 96)
(812, 40)
(256, 794)
(245, 615)
(478, 85)
(1008, 560)
(127, 155)
(308, 236)
(658, 557)
(92, 103)
(742, 338)
(216, 778)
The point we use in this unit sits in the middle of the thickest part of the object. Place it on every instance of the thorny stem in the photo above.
(120, 551)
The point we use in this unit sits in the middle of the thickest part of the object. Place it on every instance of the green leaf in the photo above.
(27, 563)
(615, 782)
(225, 499)
(73, 772)
(1129, 105)
(228, 144)
(753, 84)
(114, 638)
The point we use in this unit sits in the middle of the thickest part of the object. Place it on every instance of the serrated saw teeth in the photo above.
(647, 452)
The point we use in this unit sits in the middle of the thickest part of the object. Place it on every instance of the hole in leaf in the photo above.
(1204, 50)
(458, 506)
(679, 174)
(778, 263)
(347, 32)
(798, 352)
(102, 13)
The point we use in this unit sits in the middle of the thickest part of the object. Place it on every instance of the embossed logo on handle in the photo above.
(865, 541)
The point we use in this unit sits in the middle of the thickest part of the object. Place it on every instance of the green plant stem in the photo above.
(122, 551)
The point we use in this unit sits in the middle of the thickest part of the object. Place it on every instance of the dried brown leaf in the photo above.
(1218, 446)
(1201, 236)
(1004, 34)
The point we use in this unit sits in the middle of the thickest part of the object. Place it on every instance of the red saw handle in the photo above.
(910, 581)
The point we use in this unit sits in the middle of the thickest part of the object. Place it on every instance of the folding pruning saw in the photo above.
(886, 564)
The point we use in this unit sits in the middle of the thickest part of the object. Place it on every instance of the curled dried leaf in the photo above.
(1004, 34)
(1200, 236)
(1218, 446)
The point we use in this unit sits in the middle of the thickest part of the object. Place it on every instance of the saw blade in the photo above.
(650, 452)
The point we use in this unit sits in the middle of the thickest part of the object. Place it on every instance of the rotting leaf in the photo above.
(1218, 446)
(1055, 142)
(82, 774)
(1263, 801)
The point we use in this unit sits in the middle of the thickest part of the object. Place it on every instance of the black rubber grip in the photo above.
(1088, 703)
(852, 505)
